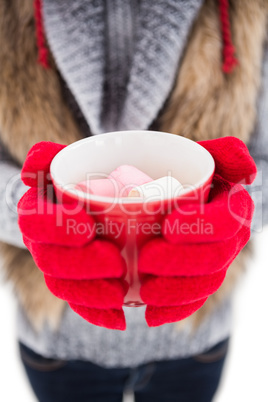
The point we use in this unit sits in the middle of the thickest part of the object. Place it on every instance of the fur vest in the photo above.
(204, 104)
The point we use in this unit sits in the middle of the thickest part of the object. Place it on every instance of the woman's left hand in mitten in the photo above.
(188, 263)
(78, 266)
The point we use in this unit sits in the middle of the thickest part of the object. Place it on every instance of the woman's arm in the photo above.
(11, 190)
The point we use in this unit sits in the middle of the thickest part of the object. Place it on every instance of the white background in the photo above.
(245, 375)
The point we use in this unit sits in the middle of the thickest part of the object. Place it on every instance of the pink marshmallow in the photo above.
(114, 186)
(129, 176)
(102, 187)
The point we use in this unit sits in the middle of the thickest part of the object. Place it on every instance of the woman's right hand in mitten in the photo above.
(78, 267)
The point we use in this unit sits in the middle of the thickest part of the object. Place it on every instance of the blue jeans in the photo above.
(193, 379)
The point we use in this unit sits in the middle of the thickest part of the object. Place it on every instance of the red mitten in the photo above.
(188, 263)
(85, 271)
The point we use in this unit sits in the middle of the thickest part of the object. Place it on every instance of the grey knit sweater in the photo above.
(119, 59)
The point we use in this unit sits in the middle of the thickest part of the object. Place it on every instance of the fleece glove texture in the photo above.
(188, 263)
(78, 267)
(178, 270)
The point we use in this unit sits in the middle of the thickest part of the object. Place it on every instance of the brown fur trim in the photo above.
(206, 103)
(30, 289)
(32, 107)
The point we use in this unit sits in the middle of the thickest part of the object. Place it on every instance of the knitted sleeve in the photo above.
(258, 148)
(11, 190)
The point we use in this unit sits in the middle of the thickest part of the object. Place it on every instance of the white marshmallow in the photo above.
(165, 187)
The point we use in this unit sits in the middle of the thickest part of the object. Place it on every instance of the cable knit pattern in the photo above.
(121, 18)
(160, 43)
(77, 339)
(76, 34)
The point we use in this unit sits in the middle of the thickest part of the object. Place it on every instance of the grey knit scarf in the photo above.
(119, 57)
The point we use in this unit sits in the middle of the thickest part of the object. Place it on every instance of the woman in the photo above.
(190, 68)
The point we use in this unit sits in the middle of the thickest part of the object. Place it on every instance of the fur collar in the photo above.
(206, 103)
(203, 104)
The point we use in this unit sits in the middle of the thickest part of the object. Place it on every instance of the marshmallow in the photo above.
(165, 187)
(127, 177)
(129, 181)
(102, 187)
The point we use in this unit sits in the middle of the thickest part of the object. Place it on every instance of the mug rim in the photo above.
(79, 194)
